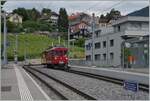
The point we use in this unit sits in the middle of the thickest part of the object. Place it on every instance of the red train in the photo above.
(55, 57)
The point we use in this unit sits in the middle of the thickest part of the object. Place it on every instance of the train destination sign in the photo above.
(131, 85)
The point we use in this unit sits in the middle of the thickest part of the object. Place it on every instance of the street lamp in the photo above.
(5, 39)
(68, 39)
(16, 20)
(25, 51)
(93, 31)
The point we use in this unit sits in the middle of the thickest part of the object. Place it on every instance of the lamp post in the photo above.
(68, 39)
(25, 45)
(16, 43)
(5, 39)
(93, 31)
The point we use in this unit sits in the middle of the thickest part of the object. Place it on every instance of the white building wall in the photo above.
(126, 27)
(116, 50)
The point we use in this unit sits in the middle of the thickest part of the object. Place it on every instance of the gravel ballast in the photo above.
(99, 89)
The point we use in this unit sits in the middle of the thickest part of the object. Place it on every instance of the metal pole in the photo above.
(25, 55)
(5, 39)
(59, 40)
(93, 31)
(68, 39)
(16, 53)
(52, 44)
(108, 63)
(73, 43)
(123, 55)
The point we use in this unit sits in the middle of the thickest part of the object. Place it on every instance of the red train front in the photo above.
(55, 57)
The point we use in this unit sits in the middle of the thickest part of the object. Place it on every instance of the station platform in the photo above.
(17, 84)
(115, 73)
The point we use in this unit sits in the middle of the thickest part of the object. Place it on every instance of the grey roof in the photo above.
(144, 12)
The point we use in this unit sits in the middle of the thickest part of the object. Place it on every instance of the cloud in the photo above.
(98, 7)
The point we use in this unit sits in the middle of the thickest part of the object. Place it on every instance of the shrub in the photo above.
(80, 42)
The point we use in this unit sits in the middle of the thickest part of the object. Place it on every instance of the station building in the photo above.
(108, 40)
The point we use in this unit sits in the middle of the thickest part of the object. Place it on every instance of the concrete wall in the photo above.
(81, 62)
(135, 26)
(116, 49)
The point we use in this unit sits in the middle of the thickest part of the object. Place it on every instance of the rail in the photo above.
(86, 96)
(143, 87)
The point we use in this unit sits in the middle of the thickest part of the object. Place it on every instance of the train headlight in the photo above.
(55, 58)
(66, 58)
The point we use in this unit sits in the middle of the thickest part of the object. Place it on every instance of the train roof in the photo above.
(56, 48)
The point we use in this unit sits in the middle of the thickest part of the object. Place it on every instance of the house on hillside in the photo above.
(107, 43)
(79, 24)
(15, 18)
(79, 30)
(54, 18)
(45, 17)
(51, 18)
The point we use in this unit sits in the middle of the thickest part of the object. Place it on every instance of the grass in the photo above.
(35, 45)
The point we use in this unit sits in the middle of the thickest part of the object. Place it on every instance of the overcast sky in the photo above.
(72, 6)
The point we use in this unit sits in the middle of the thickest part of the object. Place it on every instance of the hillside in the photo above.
(35, 44)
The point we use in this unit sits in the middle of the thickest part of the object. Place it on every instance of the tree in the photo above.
(36, 26)
(45, 26)
(35, 14)
(113, 14)
(12, 27)
(22, 12)
(46, 11)
(32, 25)
(28, 14)
(63, 20)
(80, 42)
(102, 16)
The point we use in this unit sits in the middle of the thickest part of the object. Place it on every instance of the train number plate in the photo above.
(61, 62)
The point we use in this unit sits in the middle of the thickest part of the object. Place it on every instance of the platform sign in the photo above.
(131, 85)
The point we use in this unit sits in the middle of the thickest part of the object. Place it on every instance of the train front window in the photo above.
(65, 52)
(60, 53)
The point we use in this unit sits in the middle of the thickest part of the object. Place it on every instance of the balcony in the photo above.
(136, 32)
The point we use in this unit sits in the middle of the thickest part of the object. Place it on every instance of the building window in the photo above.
(104, 44)
(97, 45)
(118, 28)
(111, 43)
(97, 57)
(88, 46)
(137, 25)
(111, 56)
(97, 33)
(88, 57)
(104, 56)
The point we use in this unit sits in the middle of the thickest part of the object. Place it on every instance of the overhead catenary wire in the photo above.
(114, 5)
(97, 3)
(104, 10)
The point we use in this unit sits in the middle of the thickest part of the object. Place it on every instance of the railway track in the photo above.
(142, 87)
(41, 75)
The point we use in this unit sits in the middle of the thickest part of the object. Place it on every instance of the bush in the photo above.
(32, 25)
(37, 26)
(80, 42)
(12, 27)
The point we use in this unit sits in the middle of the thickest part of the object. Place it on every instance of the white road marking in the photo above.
(23, 89)
(45, 95)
